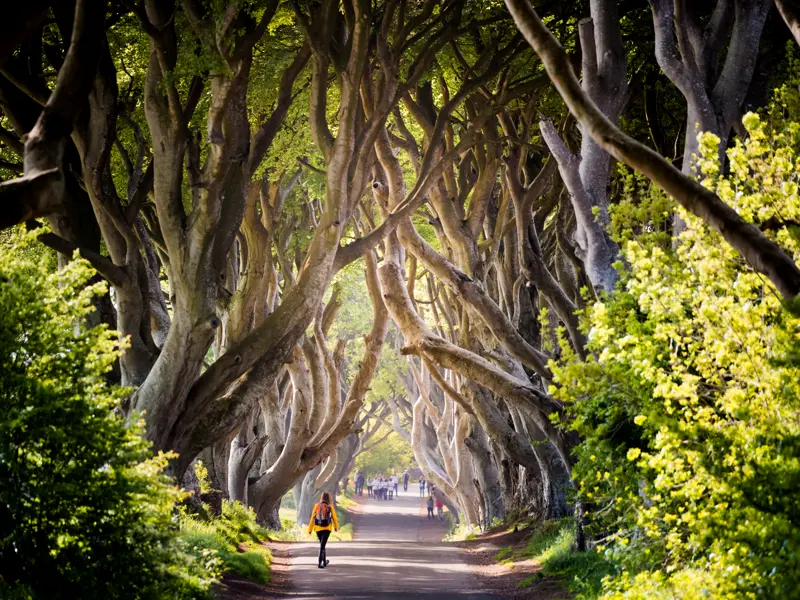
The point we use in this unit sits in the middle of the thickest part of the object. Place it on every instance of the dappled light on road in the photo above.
(397, 553)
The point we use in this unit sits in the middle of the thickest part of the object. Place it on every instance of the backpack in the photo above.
(323, 516)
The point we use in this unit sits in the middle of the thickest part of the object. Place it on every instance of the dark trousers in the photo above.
(430, 513)
(323, 539)
(405, 486)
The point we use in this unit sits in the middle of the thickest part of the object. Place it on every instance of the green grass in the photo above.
(288, 501)
(551, 545)
(253, 564)
(345, 533)
(461, 532)
(505, 555)
(345, 501)
(288, 514)
(234, 540)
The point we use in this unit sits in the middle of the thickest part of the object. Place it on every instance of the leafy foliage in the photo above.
(234, 541)
(392, 455)
(688, 406)
(551, 546)
(85, 510)
(353, 322)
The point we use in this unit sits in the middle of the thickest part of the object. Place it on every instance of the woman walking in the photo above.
(323, 520)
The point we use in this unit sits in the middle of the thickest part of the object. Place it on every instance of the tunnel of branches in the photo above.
(324, 222)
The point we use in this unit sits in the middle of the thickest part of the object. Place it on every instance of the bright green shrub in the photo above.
(234, 538)
(551, 545)
(688, 406)
(85, 511)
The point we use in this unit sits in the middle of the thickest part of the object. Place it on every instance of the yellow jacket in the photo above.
(334, 521)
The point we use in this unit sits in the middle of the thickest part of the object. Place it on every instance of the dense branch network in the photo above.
(260, 154)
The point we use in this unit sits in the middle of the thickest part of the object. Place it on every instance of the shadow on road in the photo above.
(397, 553)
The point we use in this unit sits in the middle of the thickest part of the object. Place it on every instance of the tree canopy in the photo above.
(550, 249)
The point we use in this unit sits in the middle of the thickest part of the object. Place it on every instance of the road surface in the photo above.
(396, 553)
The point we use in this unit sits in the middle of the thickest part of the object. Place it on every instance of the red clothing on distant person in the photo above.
(439, 504)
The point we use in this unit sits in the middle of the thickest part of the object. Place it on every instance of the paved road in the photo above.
(397, 553)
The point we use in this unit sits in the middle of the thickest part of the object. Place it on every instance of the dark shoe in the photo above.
(321, 566)
(327, 562)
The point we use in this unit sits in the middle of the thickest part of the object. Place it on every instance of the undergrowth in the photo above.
(505, 555)
(234, 541)
(459, 532)
(551, 546)
(345, 501)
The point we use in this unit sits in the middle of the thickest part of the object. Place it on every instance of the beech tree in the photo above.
(710, 64)
(224, 343)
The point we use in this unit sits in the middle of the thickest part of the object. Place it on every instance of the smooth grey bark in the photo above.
(532, 264)
(422, 341)
(690, 54)
(303, 451)
(487, 478)
(215, 460)
(246, 447)
(268, 345)
(331, 476)
(433, 472)
(307, 495)
(594, 246)
(41, 189)
(445, 446)
(588, 177)
(507, 481)
(541, 480)
(790, 11)
(354, 445)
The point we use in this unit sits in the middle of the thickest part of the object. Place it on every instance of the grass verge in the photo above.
(460, 532)
(505, 555)
(234, 541)
(551, 546)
